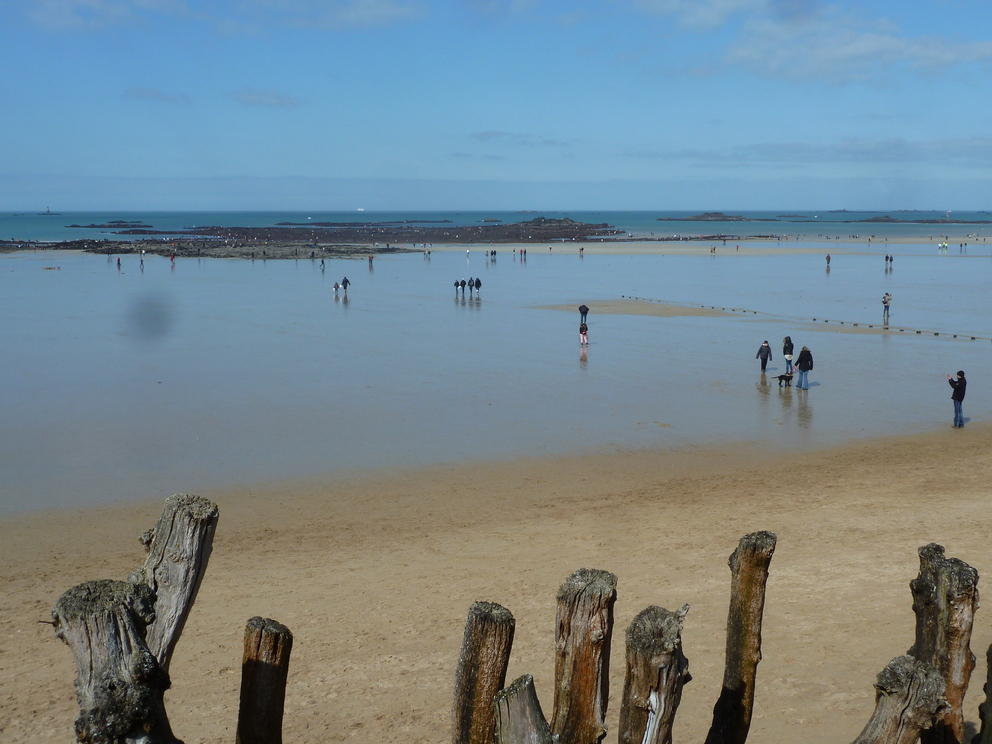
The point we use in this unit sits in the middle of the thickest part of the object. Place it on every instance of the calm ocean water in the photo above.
(53, 227)
(135, 383)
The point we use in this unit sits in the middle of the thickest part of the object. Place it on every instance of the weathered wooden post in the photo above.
(583, 632)
(945, 597)
(481, 672)
(264, 669)
(120, 685)
(909, 695)
(519, 718)
(749, 570)
(656, 673)
(178, 551)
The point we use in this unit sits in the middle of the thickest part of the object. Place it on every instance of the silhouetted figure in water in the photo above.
(463, 286)
(478, 285)
(471, 285)
(583, 312)
(345, 283)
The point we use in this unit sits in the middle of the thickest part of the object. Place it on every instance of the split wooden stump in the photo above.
(656, 672)
(122, 633)
(120, 686)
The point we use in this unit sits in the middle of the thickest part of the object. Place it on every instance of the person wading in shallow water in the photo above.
(764, 354)
(959, 385)
(804, 364)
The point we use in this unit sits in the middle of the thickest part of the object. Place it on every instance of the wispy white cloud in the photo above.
(266, 98)
(838, 48)
(703, 14)
(91, 15)
(813, 40)
(153, 94)
(975, 151)
(516, 139)
(239, 16)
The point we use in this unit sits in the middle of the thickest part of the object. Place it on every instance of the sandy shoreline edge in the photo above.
(375, 571)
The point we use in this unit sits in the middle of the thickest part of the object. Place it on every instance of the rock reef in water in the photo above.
(711, 217)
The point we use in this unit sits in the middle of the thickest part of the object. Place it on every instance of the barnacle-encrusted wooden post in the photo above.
(519, 718)
(749, 569)
(583, 631)
(264, 669)
(481, 672)
(178, 550)
(909, 695)
(656, 673)
(945, 597)
(119, 684)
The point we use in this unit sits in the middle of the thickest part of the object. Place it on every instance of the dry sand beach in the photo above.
(374, 573)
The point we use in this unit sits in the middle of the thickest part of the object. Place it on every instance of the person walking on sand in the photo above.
(959, 385)
(583, 334)
(583, 312)
(886, 301)
(787, 353)
(764, 354)
(804, 364)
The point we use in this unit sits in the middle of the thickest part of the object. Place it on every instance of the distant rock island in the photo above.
(710, 217)
(115, 225)
(886, 219)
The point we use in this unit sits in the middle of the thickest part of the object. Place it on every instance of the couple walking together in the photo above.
(803, 364)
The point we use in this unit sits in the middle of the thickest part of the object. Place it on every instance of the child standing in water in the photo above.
(583, 334)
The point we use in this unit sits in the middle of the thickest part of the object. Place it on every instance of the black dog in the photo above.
(787, 379)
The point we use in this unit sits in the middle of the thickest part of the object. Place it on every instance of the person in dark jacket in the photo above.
(959, 385)
(804, 364)
(787, 353)
(764, 354)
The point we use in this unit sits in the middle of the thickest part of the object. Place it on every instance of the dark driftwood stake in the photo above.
(519, 718)
(749, 569)
(945, 597)
(583, 631)
(985, 709)
(178, 550)
(481, 672)
(656, 672)
(263, 681)
(119, 684)
(909, 694)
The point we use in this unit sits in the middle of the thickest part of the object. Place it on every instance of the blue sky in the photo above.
(495, 104)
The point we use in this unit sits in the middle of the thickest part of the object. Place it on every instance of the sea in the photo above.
(134, 382)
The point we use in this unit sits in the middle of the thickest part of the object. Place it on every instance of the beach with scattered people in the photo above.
(384, 455)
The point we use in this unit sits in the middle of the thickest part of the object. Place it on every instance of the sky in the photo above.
(495, 104)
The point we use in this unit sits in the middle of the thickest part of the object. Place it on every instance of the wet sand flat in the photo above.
(374, 572)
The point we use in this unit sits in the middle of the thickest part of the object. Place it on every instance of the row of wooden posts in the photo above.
(123, 633)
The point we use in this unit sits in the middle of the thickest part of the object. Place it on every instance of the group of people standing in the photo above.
(803, 364)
